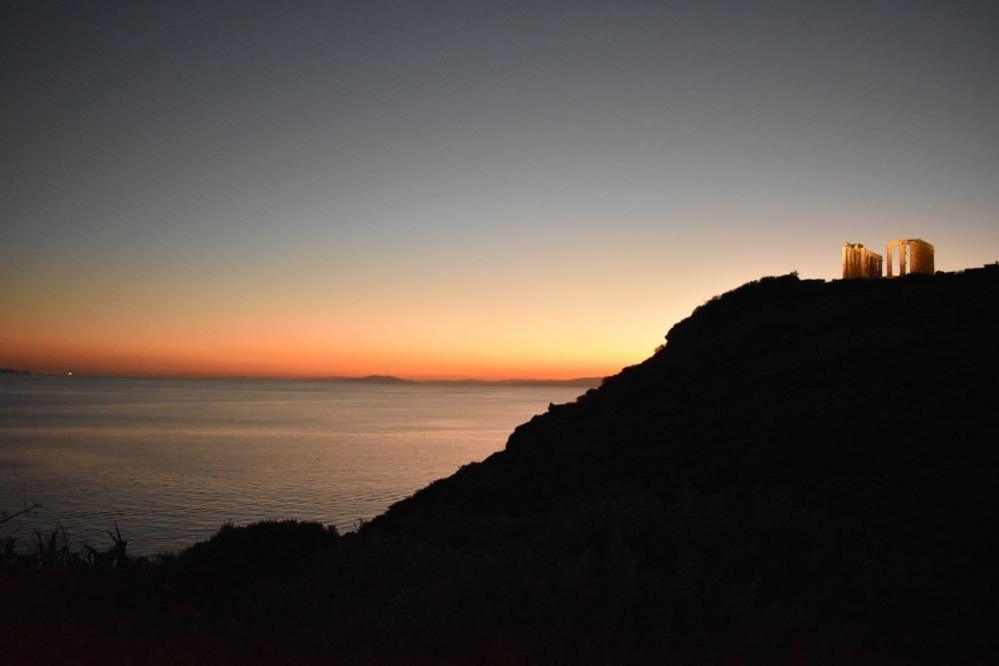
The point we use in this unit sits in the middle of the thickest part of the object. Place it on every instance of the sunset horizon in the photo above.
(39, 346)
(501, 192)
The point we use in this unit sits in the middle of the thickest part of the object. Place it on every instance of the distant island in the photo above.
(586, 382)
(11, 371)
(367, 379)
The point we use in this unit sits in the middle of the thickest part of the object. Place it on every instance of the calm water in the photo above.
(171, 460)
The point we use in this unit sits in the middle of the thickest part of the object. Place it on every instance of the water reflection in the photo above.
(170, 460)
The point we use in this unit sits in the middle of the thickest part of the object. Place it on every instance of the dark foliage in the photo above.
(805, 473)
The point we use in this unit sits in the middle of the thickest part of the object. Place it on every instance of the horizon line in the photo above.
(369, 378)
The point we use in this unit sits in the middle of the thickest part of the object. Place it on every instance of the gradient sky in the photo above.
(531, 189)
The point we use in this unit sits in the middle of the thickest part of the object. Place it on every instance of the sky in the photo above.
(463, 189)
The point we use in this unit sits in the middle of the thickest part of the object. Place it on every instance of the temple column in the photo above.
(889, 250)
(902, 258)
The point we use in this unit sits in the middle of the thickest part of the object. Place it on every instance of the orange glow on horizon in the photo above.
(274, 364)
(559, 313)
(262, 352)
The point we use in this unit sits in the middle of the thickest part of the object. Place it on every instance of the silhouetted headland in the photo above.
(12, 371)
(805, 472)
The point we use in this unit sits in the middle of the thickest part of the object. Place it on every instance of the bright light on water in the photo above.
(171, 460)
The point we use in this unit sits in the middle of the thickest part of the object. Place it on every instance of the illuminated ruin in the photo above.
(859, 262)
(914, 256)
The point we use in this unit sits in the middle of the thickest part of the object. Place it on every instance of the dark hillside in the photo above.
(802, 459)
(781, 381)
(807, 472)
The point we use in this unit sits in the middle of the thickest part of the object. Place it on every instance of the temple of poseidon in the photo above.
(914, 256)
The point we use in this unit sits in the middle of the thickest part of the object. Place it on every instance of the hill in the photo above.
(828, 377)
(804, 466)
(804, 473)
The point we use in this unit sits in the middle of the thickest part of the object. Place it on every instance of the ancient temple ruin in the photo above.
(859, 262)
(914, 256)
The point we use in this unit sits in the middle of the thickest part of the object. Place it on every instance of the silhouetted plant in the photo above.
(5, 516)
(115, 557)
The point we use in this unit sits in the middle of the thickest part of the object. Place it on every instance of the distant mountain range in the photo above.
(586, 382)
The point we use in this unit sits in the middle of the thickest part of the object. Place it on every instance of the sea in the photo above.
(168, 461)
